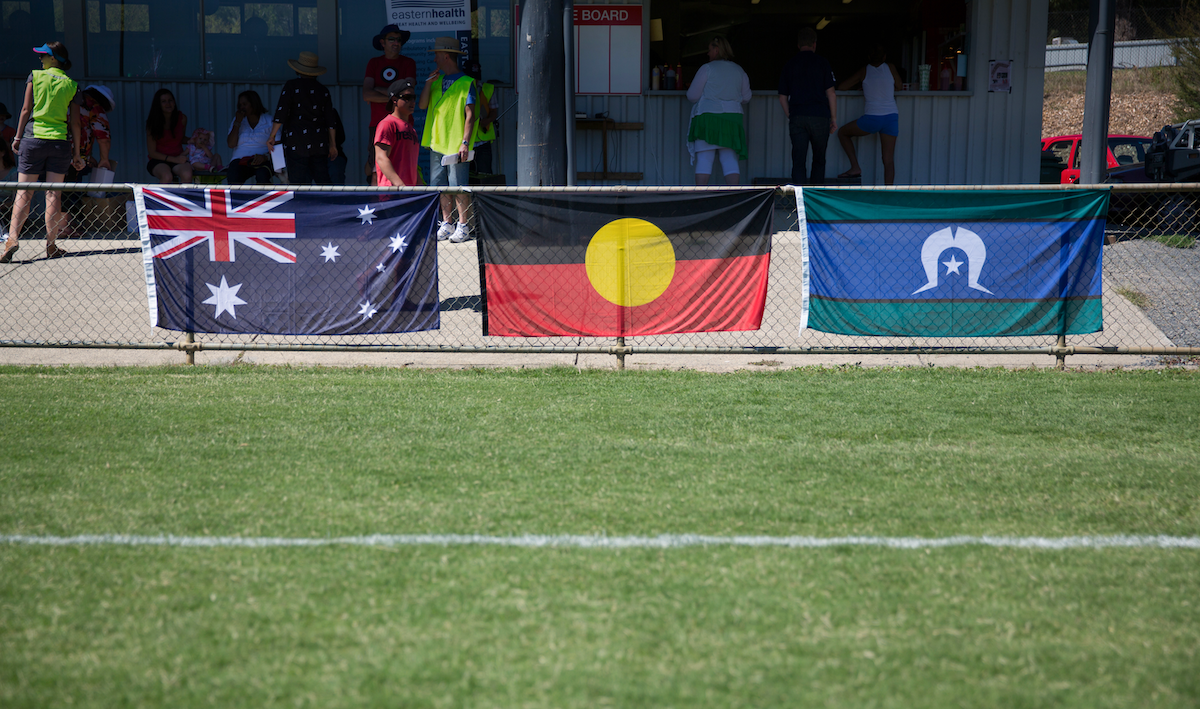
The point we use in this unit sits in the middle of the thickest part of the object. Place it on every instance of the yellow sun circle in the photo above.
(630, 262)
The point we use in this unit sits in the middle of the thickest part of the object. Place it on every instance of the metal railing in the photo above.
(95, 297)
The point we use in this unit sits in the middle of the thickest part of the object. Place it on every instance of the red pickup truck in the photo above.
(1122, 150)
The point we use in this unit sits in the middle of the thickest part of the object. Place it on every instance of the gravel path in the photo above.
(1168, 278)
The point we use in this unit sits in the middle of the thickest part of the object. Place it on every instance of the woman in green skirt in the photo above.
(718, 92)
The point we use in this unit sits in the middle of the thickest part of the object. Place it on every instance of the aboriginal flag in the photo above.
(611, 265)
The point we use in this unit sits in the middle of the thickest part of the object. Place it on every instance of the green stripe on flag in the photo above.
(830, 205)
(956, 318)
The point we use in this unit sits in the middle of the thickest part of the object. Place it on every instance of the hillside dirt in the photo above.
(1142, 102)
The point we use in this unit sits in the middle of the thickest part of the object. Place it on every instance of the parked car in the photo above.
(1061, 155)
(1173, 157)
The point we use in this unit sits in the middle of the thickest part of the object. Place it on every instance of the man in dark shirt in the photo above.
(810, 104)
(305, 122)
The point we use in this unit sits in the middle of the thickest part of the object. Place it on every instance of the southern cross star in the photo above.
(367, 310)
(952, 265)
(224, 297)
(367, 215)
(399, 241)
(330, 252)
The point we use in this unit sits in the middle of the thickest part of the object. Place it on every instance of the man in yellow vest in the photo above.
(449, 96)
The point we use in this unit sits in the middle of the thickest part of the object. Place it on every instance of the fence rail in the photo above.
(95, 297)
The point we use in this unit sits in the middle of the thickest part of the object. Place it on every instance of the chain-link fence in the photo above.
(96, 295)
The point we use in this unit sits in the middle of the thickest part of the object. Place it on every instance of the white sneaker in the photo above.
(460, 234)
(445, 230)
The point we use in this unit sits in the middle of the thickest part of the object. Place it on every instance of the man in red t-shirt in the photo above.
(383, 71)
(396, 141)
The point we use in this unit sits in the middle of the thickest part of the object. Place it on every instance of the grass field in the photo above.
(316, 453)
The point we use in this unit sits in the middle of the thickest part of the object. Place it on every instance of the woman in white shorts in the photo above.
(880, 82)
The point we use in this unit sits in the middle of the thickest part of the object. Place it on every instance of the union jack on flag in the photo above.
(354, 263)
(220, 223)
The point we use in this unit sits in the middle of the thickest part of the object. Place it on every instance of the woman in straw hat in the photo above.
(305, 123)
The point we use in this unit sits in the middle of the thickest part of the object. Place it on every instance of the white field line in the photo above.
(662, 541)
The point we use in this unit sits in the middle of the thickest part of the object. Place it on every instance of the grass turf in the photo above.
(282, 452)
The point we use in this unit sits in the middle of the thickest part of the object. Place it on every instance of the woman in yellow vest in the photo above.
(49, 143)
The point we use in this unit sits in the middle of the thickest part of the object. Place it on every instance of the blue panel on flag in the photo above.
(917, 261)
(290, 263)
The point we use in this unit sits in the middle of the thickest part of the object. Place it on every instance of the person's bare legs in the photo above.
(845, 136)
(54, 214)
(162, 173)
(20, 211)
(887, 148)
(463, 200)
(447, 202)
(184, 170)
(732, 178)
(701, 180)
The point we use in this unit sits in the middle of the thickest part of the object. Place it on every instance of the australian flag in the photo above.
(289, 263)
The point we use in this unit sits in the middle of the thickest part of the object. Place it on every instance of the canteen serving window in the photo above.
(763, 36)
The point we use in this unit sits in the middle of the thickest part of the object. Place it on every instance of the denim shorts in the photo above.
(888, 125)
(39, 155)
(446, 175)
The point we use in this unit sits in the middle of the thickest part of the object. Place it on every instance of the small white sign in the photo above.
(998, 76)
(429, 15)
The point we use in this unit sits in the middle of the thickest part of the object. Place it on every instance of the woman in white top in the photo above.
(880, 82)
(718, 92)
(248, 139)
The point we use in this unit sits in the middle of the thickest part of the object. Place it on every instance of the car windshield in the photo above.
(1128, 150)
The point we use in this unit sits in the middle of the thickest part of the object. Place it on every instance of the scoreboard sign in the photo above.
(608, 49)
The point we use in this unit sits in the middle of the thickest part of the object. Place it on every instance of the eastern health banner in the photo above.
(609, 264)
(289, 263)
(954, 264)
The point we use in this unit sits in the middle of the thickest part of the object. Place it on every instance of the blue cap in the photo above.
(45, 49)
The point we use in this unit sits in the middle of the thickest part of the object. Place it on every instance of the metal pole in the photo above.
(190, 337)
(569, 56)
(541, 143)
(1098, 93)
(1061, 355)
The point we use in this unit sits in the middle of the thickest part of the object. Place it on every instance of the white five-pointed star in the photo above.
(398, 243)
(379, 267)
(367, 215)
(330, 252)
(952, 265)
(367, 310)
(224, 297)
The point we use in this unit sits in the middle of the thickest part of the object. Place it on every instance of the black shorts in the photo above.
(155, 163)
(39, 155)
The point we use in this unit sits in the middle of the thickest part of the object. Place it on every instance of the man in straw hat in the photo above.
(385, 70)
(305, 121)
(449, 94)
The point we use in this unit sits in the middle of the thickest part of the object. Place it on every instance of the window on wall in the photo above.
(25, 24)
(252, 41)
(144, 39)
(198, 39)
(491, 25)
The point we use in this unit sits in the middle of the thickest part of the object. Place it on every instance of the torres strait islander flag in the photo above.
(288, 263)
(953, 264)
(611, 265)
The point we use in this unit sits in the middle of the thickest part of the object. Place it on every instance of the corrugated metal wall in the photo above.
(973, 137)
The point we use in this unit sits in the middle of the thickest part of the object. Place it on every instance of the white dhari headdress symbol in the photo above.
(937, 242)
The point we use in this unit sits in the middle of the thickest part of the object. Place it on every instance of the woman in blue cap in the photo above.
(47, 141)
